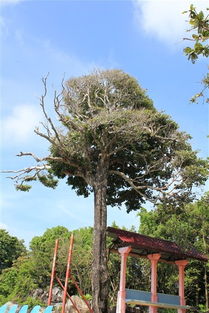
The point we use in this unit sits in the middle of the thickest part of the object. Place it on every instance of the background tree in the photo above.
(10, 249)
(187, 225)
(111, 141)
(19, 282)
(200, 36)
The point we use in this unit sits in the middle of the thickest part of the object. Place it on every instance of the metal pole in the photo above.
(67, 272)
(53, 271)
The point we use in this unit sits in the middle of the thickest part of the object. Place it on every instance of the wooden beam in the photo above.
(136, 255)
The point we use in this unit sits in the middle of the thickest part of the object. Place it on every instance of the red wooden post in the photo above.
(67, 272)
(181, 265)
(121, 304)
(154, 260)
(53, 271)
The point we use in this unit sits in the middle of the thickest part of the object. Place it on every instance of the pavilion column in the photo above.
(121, 302)
(181, 266)
(154, 261)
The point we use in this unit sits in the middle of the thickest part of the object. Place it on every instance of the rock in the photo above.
(57, 308)
(37, 293)
(80, 304)
(57, 295)
(43, 295)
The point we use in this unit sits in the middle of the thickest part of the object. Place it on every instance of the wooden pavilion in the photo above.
(156, 250)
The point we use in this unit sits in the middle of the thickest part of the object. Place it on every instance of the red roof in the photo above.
(144, 245)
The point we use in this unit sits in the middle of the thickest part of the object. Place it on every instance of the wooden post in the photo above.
(121, 304)
(181, 265)
(154, 260)
(53, 271)
(67, 273)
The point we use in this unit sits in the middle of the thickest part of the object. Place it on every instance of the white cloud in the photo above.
(3, 226)
(19, 125)
(5, 2)
(164, 19)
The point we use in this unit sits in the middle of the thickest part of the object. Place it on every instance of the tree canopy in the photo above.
(107, 117)
(10, 249)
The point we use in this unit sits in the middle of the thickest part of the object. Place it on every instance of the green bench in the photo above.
(135, 297)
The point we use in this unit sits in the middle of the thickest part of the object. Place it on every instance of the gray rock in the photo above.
(57, 295)
(80, 304)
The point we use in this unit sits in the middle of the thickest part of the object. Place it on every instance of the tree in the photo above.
(200, 28)
(10, 249)
(42, 248)
(112, 141)
(188, 226)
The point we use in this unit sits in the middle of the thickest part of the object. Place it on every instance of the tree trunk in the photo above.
(99, 266)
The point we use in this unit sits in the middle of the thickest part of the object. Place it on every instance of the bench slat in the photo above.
(48, 309)
(13, 308)
(144, 298)
(24, 309)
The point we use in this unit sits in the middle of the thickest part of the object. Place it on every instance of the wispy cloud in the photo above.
(3, 226)
(163, 19)
(18, 126)
(7, 2)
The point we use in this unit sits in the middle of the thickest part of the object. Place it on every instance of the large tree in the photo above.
(10, 249)
(112, 141)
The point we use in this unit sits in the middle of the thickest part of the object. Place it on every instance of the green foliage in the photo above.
(48, 180)
(28, 273)
(199, 22)
(17, 282)
(10, 249)
(23, 187)
(31, 302)
(42, 248)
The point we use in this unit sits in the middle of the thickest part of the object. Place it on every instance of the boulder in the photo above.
(80, 304)
(57, 294)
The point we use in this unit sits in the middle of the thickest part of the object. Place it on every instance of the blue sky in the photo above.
(71, 38)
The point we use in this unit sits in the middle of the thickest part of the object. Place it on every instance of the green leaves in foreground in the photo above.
(199, 22)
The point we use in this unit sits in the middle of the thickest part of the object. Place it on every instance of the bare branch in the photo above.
(48, 158)
(42, 104)
(27, 170)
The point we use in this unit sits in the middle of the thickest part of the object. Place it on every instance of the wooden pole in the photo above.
(73, 303)
(81, 294)
(154, 260)
(181, 265)
(53, 271)
(121, 304)
(67, 272)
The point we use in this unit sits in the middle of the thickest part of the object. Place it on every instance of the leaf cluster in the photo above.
(199, 22)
